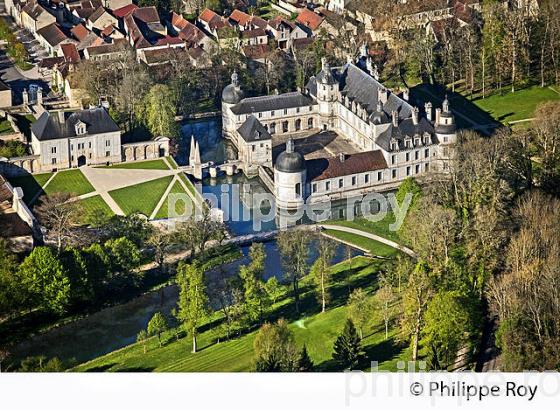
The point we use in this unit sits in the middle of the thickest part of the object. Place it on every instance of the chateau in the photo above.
(344, 135)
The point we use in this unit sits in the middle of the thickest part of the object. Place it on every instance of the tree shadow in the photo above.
(102, 368)
(137, 369)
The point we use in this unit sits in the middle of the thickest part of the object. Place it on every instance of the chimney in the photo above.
(438, 115)
(383, 95)
(395, 116)
(415, 115)
(428, 108)
(341, 157)
(406, 94)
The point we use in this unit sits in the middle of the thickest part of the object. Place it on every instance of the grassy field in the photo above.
(373, 247)
(172, 162)
(141, 197)
(5, 127)
(92, 205)
(31, 184)
(317, 331)
(380, 228)
(152, 164)
(516, 106)
(180, 205)
(71, 181)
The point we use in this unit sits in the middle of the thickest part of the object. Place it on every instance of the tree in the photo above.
(305, 364)
(59, 215)
(41, 364)
(255, 296)
(294, 250)
(135, 227)
(142, 337)
(157, 325)
(321, 271)
(160, 242)
(193, 300)
(275, 348)
(12, 294)
(44, 277)
(360, 309)
(448, 320)
(385, 298)
(124, 255)
(160, 108)
(347, 347)
(274, 289)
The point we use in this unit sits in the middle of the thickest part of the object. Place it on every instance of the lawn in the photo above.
(5, 127)
(516, 106)
(93, 206)
(71, 181)
(380, 228)
(172, 162)
(179, 206)
(142, 197)
(31, 184)
(373, 247)
(152, 164)
(317, 331)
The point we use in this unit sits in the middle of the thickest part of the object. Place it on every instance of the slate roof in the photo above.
(252, 130)
(272, 102)
(405, 128)
(62, 125)
(332, 167)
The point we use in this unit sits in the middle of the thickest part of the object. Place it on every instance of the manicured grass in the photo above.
(189, 184)
(5, 127)
(381, 228)
(179, 205)
(520, 105)
(92, 206)
(31, 184)
(373, 247)
(142, 197)
(317, 331)
(172, 162)
(71, 181)
(152, 164)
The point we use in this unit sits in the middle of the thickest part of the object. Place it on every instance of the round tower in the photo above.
(327, 94)
(289, 178)
(231, 95)
(446, 133)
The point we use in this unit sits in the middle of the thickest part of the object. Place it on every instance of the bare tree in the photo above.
(60, 215)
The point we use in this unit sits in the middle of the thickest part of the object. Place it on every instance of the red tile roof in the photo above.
(256, 52)
(146, 14)
(240, 17)
(70, 53)
(124, 11)
(168, 41)
(309, 19)
(332, 167)
(80, 31)
(207, 15)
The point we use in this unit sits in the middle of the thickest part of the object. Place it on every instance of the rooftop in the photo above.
(272, 102)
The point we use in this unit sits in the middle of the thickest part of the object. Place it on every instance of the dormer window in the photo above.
(394, 145)
(408, 142)
(427, 139)
(80, 128)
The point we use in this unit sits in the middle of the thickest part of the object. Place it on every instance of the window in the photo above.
(253, 148)
(417, 169)
(427, 153)
(366, 178)
(416, 155)
(260, 114)
(297, 110)
(445, 139)
(71, 147)
(407, 171)
(314, 188)
(107, 153)
(285, 111)
(341, 183)
(72, 158)
(53, 161)
(310, 108)
(379, 176)
(328, 185)
(53, 150)
(407, 156)
(426, 167)
(310, 123)
(89, 145)
(108, 143)
(353, 180)
(90, 155)
(285, 126)
(272, 113)
(394, 173)
(298, 189)
(393, 159)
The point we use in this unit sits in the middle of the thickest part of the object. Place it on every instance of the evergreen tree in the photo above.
(347, 347)
(304, 362)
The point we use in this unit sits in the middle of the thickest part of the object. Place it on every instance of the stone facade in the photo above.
(395, 139)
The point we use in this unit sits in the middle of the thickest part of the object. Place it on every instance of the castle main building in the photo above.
(385, 138)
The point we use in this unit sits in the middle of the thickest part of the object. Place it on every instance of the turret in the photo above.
(231, 95)
(327, 94)
(289, 178)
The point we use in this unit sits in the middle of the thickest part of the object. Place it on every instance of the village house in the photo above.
(51, 37)
(285, 32)
(34, 16)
